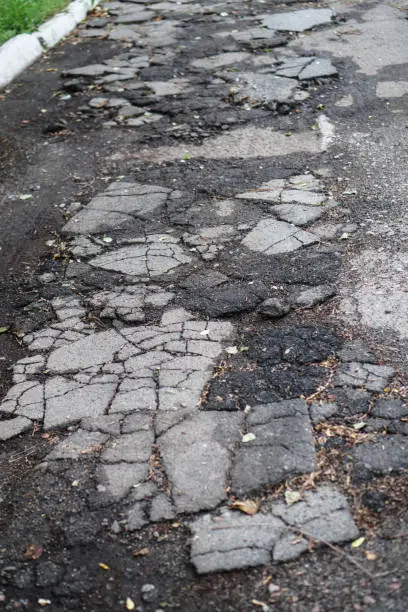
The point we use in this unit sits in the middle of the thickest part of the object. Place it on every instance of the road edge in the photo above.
(22, 50)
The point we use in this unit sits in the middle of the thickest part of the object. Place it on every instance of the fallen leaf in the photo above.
(142, 552)
(371, 556)
(25, 196)
(130, 604)
(260, 604)
(292, 497)
(358, 542)
(248, 437)
(249, 506)
(104, 566)
(4, 329)
(34, 551)
(359, 425)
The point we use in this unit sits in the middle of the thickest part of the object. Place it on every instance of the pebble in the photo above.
(115, 527)
(148, 592)
(274, 308)
(47, 277)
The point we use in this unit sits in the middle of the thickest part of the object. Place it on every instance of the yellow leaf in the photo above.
(130, 604)
(248, 506)
(371, 556)
(292, 497)
(358, 542)
(103, 566)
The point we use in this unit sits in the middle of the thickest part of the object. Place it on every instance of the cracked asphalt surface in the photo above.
(204, 317)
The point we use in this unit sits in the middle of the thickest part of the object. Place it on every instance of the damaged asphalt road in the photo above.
(204, 317)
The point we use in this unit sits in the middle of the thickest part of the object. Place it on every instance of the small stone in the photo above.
(274, 308)
(47, 277)
(149, 593)
(115, 527)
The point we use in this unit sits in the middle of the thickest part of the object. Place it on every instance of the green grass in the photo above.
(20, 16)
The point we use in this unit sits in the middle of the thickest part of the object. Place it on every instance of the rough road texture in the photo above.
(204, 348)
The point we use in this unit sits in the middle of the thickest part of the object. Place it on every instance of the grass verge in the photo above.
(24, 16)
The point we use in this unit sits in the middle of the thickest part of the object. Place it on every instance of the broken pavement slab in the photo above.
(233, 541)
(196, 457)
(156, 255)
(298, 21)
(282, 446)
(272, 237)
(117, 206)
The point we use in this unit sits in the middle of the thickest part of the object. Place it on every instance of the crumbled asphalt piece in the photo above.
(305, 267)
(230, 542)
(372, 377)
(237, 389)
(385, 455)
(352, 401)
(297, 214)
(226, 300)
(315, 295)
(273, 237)
(298, 21)
(196, 450)
(282, 446)
(390, 409)
(293, 344)
(233, 541)
(14, 426)
(322, 412)
(78, 445)
(274, 308)
(317, 69)
(355, 351)
(162, 508)
(323, 515)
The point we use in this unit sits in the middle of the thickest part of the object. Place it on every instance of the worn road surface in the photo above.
(204, 314)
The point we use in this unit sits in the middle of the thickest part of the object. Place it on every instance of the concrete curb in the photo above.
(23, 50)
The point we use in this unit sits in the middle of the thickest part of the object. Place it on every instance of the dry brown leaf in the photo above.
(142, 552)
(34, 551)
(248, 506)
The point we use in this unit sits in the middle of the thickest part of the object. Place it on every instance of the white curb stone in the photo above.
(23, 50)
(16, 55)
(56, 28)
